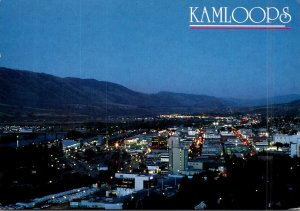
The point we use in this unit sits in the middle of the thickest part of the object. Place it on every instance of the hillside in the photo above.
(31, 95)
(29, 90)
(239, 103)
(284, 109)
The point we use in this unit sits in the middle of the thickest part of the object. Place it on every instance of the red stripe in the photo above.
(239, 28)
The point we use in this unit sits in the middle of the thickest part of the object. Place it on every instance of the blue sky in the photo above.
(146, 45)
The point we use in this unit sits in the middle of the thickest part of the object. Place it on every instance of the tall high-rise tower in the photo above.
(178, 155)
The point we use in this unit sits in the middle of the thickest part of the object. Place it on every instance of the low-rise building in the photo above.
(286, 139)
(195, 165)
(129, 183)
(69, 144)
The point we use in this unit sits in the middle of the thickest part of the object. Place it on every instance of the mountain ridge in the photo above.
(40, 90)
(25, 89)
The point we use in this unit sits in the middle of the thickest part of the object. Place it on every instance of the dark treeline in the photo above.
(31, 171)
(259, 182)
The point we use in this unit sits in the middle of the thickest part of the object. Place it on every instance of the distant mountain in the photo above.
(25, 94)
(238, 103)
(284, 109)
(40, 93)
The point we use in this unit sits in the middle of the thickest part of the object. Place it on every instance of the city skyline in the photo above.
(148, 47)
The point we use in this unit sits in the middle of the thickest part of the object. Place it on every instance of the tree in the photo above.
(278, 144)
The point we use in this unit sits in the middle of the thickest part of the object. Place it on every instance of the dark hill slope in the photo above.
(92, 97)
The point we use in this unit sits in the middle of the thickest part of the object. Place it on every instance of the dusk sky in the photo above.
(147, 46)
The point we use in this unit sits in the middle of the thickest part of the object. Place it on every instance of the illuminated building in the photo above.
(178, 155)
(129, 183)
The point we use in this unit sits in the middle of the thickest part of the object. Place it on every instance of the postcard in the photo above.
(148, 104)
